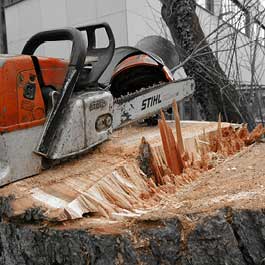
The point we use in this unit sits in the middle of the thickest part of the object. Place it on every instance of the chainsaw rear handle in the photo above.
(78, 53)
(103, 55)
(76, 64)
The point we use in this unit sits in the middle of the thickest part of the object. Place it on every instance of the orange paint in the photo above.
(141, 60)
(17, 109)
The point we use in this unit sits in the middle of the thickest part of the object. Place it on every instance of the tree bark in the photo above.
(214, 92)
(3, 37)
(234, 237)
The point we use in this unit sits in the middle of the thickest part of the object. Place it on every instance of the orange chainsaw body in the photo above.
(21, 101)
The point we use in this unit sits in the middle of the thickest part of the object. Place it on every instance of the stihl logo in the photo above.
(150, 102)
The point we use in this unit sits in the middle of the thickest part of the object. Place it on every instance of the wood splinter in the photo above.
(178, 127)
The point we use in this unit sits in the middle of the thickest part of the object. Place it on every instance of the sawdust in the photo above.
(239, 182)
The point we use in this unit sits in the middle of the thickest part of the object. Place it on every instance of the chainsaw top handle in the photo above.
(97, 58)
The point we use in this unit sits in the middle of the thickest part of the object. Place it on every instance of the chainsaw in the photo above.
(53, 109)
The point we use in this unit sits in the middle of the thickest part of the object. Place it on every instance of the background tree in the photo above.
(215, 93)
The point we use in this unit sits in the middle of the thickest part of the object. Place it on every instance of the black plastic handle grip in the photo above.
(78, 48)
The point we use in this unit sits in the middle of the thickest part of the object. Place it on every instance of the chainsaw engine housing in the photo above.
(86, 123)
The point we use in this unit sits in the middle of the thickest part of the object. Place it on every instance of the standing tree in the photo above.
(215, 93)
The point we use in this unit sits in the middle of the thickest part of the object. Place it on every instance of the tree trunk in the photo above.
(214, 92)
(3, 38)
(229, 236)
